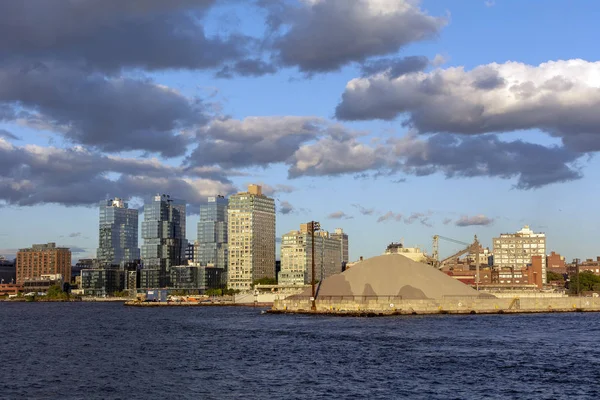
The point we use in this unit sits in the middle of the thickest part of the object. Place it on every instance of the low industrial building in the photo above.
(43, 283)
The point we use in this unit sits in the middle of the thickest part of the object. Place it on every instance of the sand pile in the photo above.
(394, 275)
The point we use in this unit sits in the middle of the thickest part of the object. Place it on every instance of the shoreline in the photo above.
(190, 304)
(365, 313)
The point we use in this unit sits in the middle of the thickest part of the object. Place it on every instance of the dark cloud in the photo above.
(480, 220)
(7, 135)
(560, 98)
(111, 114)
(390, 216)
(255, 140)
(339, 215)
(75, 234)
(447, 221)
(37, 175)
(534, 165)
(454, 156)
(112, 34)
(363, 210)
(248, 68)
(324, 35)
(395, 67)
(285, 208)
(75, 249)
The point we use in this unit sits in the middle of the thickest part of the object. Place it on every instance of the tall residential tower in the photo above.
(251, 234)
(118, 233)
(211, 248)
(296, 256)
(164, 245)
(343, 238)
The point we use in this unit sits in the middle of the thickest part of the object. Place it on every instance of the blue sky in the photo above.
(490, 126)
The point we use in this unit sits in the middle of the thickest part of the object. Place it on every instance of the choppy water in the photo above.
(108, 351)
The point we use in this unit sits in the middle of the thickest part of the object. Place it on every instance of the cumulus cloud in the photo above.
(339, 215)
(33, 174)
(331, 156)
(285, 208)
(534, 165)
(109, 113)
(454, 156)
(324, 35)
(109, 35)
(390, 216)
(254, 140)
(557, 97)
(480, 220)
(447, 221)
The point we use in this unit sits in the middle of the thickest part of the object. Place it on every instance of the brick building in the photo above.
(43, 259)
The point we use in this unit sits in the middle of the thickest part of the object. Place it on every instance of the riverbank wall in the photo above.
(393, 305)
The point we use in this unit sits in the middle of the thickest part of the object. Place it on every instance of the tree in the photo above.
(265, 281)
(587, 282)
(56, 293)
(553, 276)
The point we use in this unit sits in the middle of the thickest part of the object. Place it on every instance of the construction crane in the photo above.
(470, 248)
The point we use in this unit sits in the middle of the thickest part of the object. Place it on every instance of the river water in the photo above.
(108, 351)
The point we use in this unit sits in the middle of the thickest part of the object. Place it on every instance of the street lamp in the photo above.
(314, 226)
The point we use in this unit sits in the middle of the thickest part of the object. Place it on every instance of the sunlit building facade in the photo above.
(515, 250)
(43, 259)
(251, 234)
(296, 256)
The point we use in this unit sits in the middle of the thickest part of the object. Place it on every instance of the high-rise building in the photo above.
(251, 234)
(343, 238)
(515, 250)
(43, 259)
(118, 233)
(211, 246)
(163, 231)
(296, 256)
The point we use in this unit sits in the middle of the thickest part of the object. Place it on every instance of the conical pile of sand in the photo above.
(394, 275)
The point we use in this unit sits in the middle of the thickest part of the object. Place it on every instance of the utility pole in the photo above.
(314, 226)
(477, 264)
(577, 272)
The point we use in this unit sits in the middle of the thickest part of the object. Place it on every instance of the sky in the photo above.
(394, 120)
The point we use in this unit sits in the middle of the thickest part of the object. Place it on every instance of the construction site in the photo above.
(407, 280)
(393, 284)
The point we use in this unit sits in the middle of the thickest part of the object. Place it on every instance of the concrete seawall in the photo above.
(453, 305)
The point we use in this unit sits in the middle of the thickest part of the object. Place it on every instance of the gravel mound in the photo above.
(393, 275)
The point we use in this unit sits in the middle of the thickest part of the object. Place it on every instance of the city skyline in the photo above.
(419, 119)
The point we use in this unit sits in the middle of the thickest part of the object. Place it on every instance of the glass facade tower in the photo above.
(212, 233)
(118, 234)
(163, 231)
